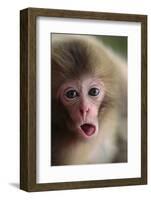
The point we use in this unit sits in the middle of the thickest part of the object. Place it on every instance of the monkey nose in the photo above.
(83, 112)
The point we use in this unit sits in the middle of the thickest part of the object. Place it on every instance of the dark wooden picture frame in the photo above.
(28, 98)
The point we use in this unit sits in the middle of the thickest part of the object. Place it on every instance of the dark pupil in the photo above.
(71, 94)
(94, 91)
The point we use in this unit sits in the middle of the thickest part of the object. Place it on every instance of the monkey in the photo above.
(88, 102)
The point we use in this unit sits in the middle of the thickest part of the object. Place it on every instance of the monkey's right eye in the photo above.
(70, 94)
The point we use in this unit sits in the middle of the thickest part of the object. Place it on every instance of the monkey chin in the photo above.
(87, 130)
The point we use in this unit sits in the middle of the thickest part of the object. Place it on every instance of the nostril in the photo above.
(81, 111)
(84, 111)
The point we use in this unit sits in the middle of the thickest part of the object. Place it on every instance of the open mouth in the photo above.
(88, 129)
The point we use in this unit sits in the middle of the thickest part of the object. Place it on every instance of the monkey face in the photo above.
(82, 99)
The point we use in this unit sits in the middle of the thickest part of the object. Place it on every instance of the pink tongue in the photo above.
(88, 129)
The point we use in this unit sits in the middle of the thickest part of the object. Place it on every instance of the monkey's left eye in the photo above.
(71, 94)
(94, 92)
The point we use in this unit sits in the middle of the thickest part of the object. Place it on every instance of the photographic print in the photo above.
(89, 99)
(83, 99)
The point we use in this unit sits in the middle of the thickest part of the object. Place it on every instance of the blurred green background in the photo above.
(117, 43)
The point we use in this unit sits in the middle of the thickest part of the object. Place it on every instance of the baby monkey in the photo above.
(89, 102)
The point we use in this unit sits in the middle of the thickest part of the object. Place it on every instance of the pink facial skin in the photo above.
(82, 99)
